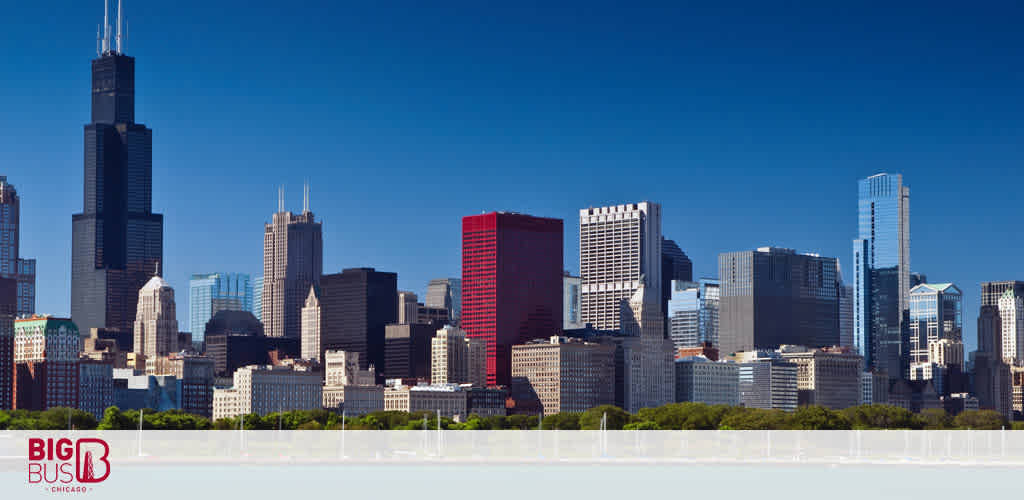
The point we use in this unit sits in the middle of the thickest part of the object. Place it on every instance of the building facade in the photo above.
(649, 356)
(407, 351)
(446, 293)
(46, 369)
(446, 400)
(156, 324)
(268, 389)
(457, 359)
(675, 266)
(511, 283)
(117, 240)
(357, 304)
(408, 308)
(767, 382)
(693, 313)
(829, 377)
(562, 375)
(311, 332)
(213, 292)
(881, 284)
(571, 302)
(293, 258)
(95, 386)
(700, 380)
(775, 296)
(936, 313)
(618, 245)
(12, 266)
(1011, 327)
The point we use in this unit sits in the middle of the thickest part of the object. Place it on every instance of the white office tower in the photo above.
(1011, 319)
(618, 245)
(649, 357)
(309, 339)
(156, 324)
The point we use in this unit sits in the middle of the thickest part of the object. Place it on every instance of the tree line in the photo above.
(675, 416)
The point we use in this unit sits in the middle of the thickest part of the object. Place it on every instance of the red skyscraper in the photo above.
(511, 283)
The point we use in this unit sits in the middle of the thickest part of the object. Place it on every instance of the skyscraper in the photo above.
(257, 297)
(511, 283)
(117, 240)
(774, 296)
(213, 292)
(309, 342)
(408, 308)
(356, 305)
(649, 365)
(446, 293)
(693, 313)
(293, 260)
(571, 303)
(675, 265)
(618, 244)
(12, 266)
(881, 269)
(156, 324)
(1011, 321)
(936, 313)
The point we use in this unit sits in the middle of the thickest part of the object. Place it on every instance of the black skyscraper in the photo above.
(355, 306)
(117, 240)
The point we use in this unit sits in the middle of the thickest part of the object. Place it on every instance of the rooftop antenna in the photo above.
(98, 41)
(280, 199)
(106, 26)
(119, 27)
(305, 197)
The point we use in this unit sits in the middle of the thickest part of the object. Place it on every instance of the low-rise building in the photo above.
(767, 381)
(95, 386)
(563, 375)
(449, 399)
(268, 389)
(701, 380)
(829, 376)
(485, 402)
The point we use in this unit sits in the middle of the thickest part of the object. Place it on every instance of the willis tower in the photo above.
(117, 240)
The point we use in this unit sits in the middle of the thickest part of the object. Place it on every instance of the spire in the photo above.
(106, 26)
(280, 199)
(305, 197)
(119, 27)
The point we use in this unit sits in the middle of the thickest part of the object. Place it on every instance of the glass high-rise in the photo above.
(446, 293)
(936, 313)
(693, 313)
(213, 292)
(881, 268)
(12, 266)
(117, 240)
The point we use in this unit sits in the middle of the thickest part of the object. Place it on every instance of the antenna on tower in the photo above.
(280, 199)
(106, 26)
(305, 197)
(98, 50)
(119, 26)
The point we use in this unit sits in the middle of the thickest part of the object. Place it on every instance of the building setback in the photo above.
(356, 305)
(293, 257)
(618, 245)
(562, 375)
(117, 240)
(675, 266)
(511, 283)
(775, 296)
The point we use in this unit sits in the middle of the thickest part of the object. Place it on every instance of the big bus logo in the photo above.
(61, 462)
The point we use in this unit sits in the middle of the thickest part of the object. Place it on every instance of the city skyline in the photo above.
(945, 241)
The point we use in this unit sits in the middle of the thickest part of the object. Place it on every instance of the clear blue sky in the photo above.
(750, 123)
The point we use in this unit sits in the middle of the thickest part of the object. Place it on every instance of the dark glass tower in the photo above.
(117, 240)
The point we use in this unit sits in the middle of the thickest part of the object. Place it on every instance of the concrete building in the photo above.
(449, 400)
(693, 313)
(935, 314)
(959, 402)
(46, 357)
(209, 293)
(572, 302)
(349, 388)
(446, 293)
(407, 351)
(881, 269)
(268, 389)
(775, 296)
(618, 245)
(1011, 320)
(562, 375)
(767, 381)
(408, 308)
(311, 332)
(156, 324)
(458, 359)
(293, 258)
(701, 380)
(649, 356)
(829, 377)
(12, 266)
(235, 339)
(992, 383)
(874, 388)
(95, 386)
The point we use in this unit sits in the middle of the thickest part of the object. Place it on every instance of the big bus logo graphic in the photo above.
(61, 462)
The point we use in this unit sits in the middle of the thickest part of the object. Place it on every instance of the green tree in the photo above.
(561, 421)
(740, 418)
(877, 416)
(646, 425)
(980, 419)
(935, 419)
(617, 418)
(114, 419)
(817, 418)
